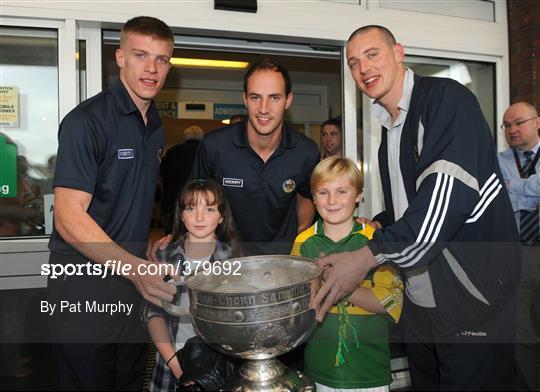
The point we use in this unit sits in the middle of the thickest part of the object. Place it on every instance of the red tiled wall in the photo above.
(524, 46)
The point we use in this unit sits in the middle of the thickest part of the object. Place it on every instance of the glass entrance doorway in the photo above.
(206, 96)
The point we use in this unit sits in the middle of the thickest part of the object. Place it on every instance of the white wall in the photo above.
(308, 19)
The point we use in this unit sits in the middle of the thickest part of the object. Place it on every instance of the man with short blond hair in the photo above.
(104, 185)
(520, 167)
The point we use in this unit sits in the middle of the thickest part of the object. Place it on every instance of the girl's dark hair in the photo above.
(213, 194)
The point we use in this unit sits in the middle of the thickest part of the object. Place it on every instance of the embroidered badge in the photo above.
(288, 186)
(126, 153)
(234, 182)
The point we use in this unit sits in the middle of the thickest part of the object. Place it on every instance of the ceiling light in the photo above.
(208, 63)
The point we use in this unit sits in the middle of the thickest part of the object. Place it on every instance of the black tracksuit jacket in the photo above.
(459, 221)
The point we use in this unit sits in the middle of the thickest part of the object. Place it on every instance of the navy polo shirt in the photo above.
(262, 195)
(105, 149)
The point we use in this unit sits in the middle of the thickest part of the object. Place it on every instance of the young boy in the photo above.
(349, 350)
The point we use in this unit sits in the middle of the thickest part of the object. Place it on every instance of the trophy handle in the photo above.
(172, 309)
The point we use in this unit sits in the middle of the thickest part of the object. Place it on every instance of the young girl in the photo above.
(203, 231)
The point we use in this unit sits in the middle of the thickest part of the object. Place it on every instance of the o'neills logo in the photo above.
(474, 333)
(126, 153)
(235, 182)
(288, 186)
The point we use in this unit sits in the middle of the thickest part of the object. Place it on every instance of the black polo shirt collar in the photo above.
(126, 106)
(241, 139)
(122, 99)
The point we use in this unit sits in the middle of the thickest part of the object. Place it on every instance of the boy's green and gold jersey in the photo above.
(369, 364)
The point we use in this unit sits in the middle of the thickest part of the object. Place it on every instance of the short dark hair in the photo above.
(267, 64)
(333, 122)
(387, 34)
(147, 25)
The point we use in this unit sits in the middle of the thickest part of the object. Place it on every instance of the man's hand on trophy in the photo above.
(342, 273)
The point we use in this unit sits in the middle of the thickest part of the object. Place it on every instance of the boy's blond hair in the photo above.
(332, 168)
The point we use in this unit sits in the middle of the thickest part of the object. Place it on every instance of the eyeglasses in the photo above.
(519, 123)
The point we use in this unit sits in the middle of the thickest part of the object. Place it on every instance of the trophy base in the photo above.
(270, 375)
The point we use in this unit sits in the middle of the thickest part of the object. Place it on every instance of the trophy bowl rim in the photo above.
(318, 274)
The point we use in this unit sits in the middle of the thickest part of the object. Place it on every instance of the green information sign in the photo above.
(8, 168)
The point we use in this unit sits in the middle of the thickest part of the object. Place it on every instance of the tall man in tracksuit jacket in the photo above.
(448, 223)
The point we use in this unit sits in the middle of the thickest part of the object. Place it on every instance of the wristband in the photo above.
(170, 359)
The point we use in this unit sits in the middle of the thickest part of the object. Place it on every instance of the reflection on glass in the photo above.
(28, 129)
(476, 76)
(81, 69)
(479, 77)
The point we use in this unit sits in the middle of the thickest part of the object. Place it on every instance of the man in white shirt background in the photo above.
(521, 169)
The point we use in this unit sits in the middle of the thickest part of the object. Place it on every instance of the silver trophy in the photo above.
(257, 314)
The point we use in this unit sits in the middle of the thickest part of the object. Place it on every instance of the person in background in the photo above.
(175, 169)
(520, 167)
(331, 138)
(349, 351)
(203, 231)
(448, 223)
(105, 179)
(48, 185)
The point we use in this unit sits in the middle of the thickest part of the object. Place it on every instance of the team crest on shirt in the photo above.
(288, 185)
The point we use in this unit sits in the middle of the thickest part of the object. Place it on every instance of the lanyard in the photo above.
(531, 167)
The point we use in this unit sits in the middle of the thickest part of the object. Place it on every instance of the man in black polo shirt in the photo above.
(263, 164)
(105, 179)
